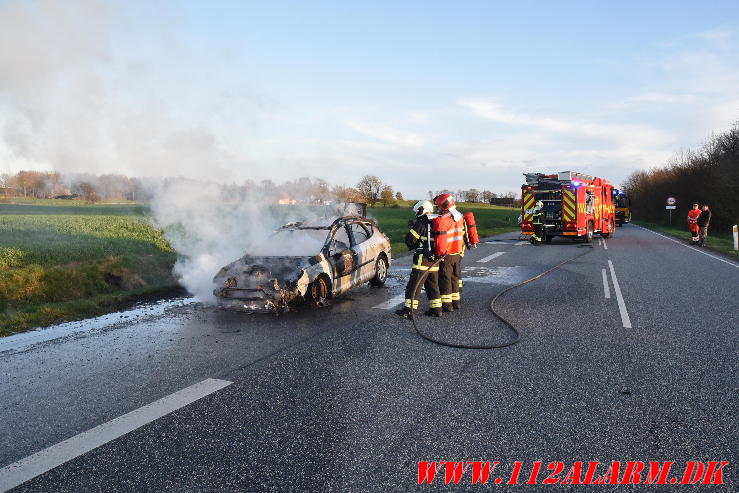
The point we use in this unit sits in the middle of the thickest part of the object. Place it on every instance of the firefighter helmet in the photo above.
(539, 204)
(445, 201)
(423, 207)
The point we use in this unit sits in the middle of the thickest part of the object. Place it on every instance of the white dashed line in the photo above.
(625, 320)
(606, 290)
(521, 243)
(604, 243)
(490, 257)
(25, 469)
(733, 264)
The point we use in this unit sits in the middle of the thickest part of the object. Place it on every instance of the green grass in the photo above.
(490, 220)
(64, 260)
(723, 243)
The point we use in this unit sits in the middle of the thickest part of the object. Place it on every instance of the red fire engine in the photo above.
(575, 205)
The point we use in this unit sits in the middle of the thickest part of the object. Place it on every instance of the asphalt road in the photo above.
(349, 398)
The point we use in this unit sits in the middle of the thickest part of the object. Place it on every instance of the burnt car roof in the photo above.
(327, 223)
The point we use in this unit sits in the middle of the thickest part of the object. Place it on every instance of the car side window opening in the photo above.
(340, 241)
(359, 233)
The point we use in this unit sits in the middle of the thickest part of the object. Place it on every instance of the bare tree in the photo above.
(488, 196)
(398, 196)
(369, 188)
(87, 192)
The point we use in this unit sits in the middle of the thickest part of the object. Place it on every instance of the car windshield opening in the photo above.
(292, 242)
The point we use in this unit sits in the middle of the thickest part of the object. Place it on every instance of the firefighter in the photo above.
(449, 228)
(704, 220)
(693, 222)
(540, 231)
(421, 239)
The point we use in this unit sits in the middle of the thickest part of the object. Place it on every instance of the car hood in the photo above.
(261, 272)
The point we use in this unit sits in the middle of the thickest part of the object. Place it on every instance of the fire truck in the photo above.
(575, 205)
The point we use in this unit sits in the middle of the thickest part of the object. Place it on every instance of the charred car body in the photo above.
(317, 260)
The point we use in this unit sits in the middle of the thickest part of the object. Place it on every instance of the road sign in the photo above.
(671, 201)
(671, 207)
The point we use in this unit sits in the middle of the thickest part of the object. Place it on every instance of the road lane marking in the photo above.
(606, 290)
(521, 243)
(604, 243)
(34, 465)
(490, 257)
(391, 303)
(496, 242)
(625, 320)
(690, 247)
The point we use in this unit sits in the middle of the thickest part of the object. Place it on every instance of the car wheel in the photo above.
(589, 234)
(318, 291)
(380, 271)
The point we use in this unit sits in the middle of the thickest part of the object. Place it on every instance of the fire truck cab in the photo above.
(575, 205)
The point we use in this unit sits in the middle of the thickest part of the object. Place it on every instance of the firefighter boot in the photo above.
(403, 312)
(433, 312)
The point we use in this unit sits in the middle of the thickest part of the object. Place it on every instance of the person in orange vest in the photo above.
(451, 222)
(693, 222)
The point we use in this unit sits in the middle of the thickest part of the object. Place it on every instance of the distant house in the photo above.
(284, 199)
(7, 192)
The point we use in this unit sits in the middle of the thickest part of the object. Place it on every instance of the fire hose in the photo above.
(422, 279)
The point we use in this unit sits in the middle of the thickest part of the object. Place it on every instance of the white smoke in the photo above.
(210, 226)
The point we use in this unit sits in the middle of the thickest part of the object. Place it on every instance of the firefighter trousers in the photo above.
(450, 281)
(540, 233)
(421, 264)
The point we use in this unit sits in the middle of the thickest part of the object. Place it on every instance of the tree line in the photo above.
(709, 175)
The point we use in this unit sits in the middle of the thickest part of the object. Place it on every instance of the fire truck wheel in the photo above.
(589, 234)
(612, 229)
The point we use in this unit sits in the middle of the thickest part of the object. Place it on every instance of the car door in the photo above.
(366, 256)
(343, 259)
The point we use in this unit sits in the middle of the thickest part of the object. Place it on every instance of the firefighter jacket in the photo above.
(456, 241)
(538, 216)
(704, 219)
(419, 237)
(442, 230)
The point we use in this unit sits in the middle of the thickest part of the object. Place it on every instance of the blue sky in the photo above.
(427, 95)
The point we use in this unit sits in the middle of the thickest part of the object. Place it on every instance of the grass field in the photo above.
(723, 243)
(64, 260)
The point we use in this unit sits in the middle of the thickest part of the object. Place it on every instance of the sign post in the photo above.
(671, 201)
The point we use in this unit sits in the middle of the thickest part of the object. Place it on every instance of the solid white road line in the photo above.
(625, 320)
(733, 264)
(496, 242)
(521, 243)
(25, 469)
(604, 243)
(606, 290)
(490, 257)
(391, 303)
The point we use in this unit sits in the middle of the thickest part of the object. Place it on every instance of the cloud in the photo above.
(615, 134)
(388, 134)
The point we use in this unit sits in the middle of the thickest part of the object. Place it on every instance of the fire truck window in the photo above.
(590, 202)
(359, 232)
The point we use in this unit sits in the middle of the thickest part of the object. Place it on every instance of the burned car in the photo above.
(314, 261)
